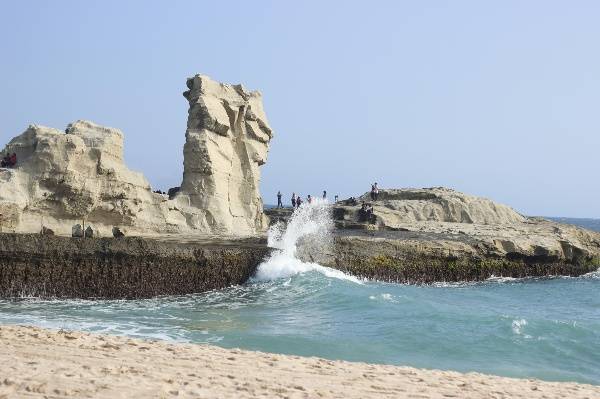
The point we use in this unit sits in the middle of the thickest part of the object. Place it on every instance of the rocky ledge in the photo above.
(129, 267)
(438, 234)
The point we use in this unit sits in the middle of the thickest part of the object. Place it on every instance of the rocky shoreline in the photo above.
(64, 180)
(422, 236)
(125, 268)
(423, 258)
(136, 267)
(416, 237)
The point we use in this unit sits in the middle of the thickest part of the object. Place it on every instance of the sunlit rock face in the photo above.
(227, 140)
(455, 223)
(63, 178)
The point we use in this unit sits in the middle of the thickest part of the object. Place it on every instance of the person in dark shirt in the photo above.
(369, 213)
(11, 162)
(293, 200)
(279, 203)
(5, 161)
(362, 213)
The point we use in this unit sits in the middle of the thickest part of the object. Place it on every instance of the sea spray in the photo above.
(310, 226)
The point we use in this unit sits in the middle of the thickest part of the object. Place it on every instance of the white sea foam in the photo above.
(501, 279)
(518, 326)
(311, 223)
(593, 275)
(384, 297)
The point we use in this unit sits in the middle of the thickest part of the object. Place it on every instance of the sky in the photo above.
(496, 99)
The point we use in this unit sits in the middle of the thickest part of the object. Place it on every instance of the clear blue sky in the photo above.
(498, 99)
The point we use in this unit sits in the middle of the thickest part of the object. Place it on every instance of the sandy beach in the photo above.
(41, 363)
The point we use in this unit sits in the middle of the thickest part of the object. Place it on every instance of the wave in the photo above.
(592, 275)
(312, 224)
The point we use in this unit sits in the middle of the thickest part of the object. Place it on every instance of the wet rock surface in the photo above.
(434, 256)
(277, 215)
(427, 257)
(129, 267)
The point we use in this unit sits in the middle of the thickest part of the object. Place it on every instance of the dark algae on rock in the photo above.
(130, 267)
(425, 269)
(417, 258)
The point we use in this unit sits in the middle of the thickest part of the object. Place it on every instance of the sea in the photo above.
(546, 328)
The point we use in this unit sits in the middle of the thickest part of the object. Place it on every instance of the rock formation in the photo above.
(444, 221)
(227, 140)
(77, 231)
(63, 178)
(128, 267)
(79, 176)
(439, 204)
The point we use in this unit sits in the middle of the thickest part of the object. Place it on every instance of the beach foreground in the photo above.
(40, 363)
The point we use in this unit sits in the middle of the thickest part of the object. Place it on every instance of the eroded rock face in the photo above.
(455, 223)
(227, 140)
(440, 204)
(63, 178)
(79, 176)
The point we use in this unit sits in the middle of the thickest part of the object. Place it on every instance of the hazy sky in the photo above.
(499, 99)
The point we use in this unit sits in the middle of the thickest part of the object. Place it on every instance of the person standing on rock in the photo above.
(298, 201)
(279, 203)
(324, 194)
(293, 200)
(309, 199)
(374, 192)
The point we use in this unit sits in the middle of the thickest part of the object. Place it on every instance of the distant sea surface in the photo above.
(542, 328)
(591, 224)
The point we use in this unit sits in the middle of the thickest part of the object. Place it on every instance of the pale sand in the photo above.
(40, 363)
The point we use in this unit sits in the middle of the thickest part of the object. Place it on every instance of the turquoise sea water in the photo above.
(543, 328)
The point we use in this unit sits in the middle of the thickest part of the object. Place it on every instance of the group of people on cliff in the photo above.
(9, 161)
(297, 199)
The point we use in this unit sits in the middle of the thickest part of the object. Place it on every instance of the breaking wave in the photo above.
(311, 225)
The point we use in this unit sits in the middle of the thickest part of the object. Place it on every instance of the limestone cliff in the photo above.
(227, 140)
(63, 178)
(447, 221)
(440, 204)
(79, 175)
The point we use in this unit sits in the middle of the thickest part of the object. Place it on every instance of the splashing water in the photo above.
(311, 224)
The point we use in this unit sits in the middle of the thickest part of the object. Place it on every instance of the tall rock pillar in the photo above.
(227, 140)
